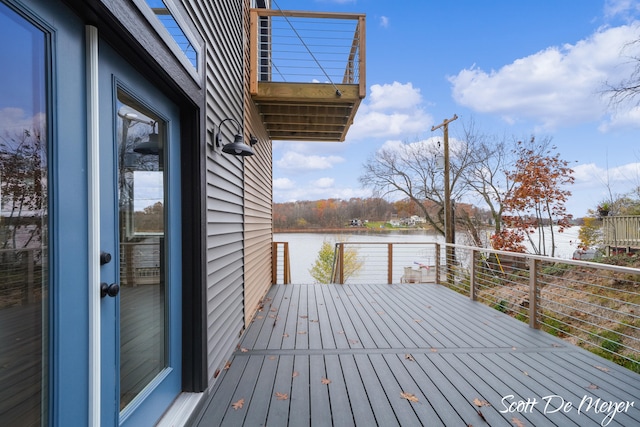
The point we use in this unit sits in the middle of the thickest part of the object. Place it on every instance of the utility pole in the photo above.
(449, 226)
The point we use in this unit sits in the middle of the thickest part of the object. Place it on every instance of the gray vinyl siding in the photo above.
(258, 190)
(220, 23)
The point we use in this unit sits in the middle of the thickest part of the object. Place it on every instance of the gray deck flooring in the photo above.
(342, 355)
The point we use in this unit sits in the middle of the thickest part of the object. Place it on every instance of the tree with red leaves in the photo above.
(537, 200)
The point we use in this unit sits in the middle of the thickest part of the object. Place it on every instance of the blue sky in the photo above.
(516, 68)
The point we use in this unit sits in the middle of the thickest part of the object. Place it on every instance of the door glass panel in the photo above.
(23, 223)
(142, 204)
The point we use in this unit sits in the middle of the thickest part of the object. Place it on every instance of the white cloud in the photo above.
(15, 121)
(280, 184)
(391, 110)
(314, 192)
(384, 22)
(394, 96)
(556, 86)
(324, 182)
(296, 161)
(621, 8)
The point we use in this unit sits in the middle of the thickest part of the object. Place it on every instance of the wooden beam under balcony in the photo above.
(307, 111)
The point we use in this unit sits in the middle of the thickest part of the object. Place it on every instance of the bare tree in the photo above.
(628, 89)
(412, 170)
(486, 175)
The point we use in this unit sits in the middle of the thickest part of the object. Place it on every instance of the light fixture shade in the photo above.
(152, 146)
(238, 147)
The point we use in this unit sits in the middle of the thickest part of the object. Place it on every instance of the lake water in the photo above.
(304, 247)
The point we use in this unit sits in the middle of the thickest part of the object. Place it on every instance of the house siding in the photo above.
(220, 23)
(258, 199)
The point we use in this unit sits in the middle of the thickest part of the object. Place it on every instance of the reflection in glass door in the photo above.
(24, 213)
(142, 206)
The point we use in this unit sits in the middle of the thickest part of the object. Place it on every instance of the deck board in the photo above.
(370, 343)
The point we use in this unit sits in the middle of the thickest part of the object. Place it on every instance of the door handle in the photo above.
(105, 258)
(109, 289)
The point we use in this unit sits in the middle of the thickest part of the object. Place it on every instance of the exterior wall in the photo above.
(220, 23)
(238, 190)
(258, 190)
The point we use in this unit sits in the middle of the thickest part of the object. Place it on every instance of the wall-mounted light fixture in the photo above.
(237, 147)
(152, 146)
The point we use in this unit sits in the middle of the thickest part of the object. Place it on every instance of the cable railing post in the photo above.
(389, 263)
(472, 275)
(533, 294)
(437, 256)
(341, 264)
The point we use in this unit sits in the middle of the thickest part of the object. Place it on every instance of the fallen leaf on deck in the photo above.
(259, 317)
(433, 350)
(409, 358)
(480, 403)
(303, 317)
(282, 396)
(216, 373)
(380, 312)
(274, 309)
(410, 397)
(238, 405)
(341, 332)
(513, 348)
(326, 381)
(272, 358)
(295, 374)
(302, 332)
(354, 341)
(417, 320)
(526, 373)
(517, 422)
(285, 335)
(314, 321)
(227, 365)
(243, 350)
(593, 387)
(603, 369)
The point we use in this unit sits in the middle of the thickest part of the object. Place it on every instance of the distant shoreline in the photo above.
(351, 230)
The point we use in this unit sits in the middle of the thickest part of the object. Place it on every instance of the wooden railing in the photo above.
(281, 268)
(622, 232)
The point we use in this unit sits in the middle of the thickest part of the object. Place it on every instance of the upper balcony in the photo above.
(307, 72)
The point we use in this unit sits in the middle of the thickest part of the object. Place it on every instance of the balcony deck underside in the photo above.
(307, 111)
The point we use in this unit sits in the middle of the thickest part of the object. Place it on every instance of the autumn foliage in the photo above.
(537, 199)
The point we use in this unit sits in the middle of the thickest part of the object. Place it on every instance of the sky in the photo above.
(513, 68)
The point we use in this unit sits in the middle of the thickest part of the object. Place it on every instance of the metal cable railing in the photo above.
(297, 47)
(593, 305)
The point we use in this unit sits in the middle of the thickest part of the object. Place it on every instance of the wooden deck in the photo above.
(410, 354)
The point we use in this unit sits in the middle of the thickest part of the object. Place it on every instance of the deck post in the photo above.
(341, 263)
(389, 263)
(287, 265)
(274, 262)
(437, 263)
(533, 294)
(472, 275)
